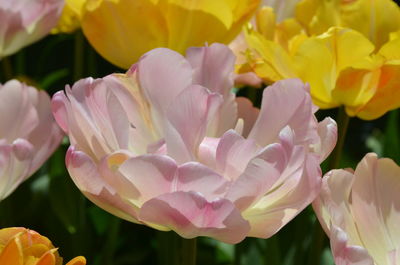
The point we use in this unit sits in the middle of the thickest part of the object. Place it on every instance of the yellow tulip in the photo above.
(70, 17)
(122, 30)
(376, 19)
(20, 246)
(342, 65)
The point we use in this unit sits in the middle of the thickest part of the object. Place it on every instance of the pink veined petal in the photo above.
(47, 135)
(191, 215)
(376, 205)
(59, 107)
(18, 117)
(248, 113)
(150, 175)
(188, 117)
(345, 254)
(15, 162)
(233, 154)
(207, 151)
(258, 177)
(333, 207)
(193, 176)
(286, 102)
(173, 74)
(284, 202)
(327, 131)
(213, 67)
(85, 174)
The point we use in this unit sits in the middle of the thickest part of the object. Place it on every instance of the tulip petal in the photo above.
(327, 131)
(150, 175)
(284, 103)
(187, 124)
(191, 215)
(332, 206)
(282, 204)
(12, 253)
(248, 113)
(258, 177)
(376, 207)
(15, 105)
(233, 154)
(86, 177)
(345, 254)
(213, 67)
(172, 80)
(77, 261)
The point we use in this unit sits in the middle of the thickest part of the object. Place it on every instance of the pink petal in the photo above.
(195, 177)
(233, 154)
(85, 174)
(376, 205)
(333, 206)
(163, 74)
(18, 116)
(275, 209)
(191, 215)
(150, 175)
(327, 131)
(286, 102)
(248, 113)
(187, 124)
(260, 175)
(345, 254)
(213, 67)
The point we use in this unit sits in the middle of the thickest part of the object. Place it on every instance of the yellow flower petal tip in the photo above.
(21, 246)
(121, 31)
(317, 44)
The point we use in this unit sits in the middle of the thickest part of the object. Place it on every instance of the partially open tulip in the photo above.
(28, 133)
(169, 146)
(21, 246)
(23, 22)
(122, 30)
(344, 67)
(360, 212)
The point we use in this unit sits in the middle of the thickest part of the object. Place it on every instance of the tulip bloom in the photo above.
(360, 212)
(169, 146)
(26, 247)
(28, 133)
(23, 22)
(122, 30)
(364, 80)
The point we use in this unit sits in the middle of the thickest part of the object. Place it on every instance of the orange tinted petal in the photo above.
(77, 261)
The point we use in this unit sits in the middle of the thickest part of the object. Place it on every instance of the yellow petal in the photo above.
(267, 59)
(12, 253)
(320, 59)
(70, 17)
(123, 30)
(355, 87)
(48, 258)
(387, 96)
(391, 50)
(77, 261)
(265, 20)
(376, 19)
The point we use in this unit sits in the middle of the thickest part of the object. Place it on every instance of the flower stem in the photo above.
(7, 68)
(343, 123)
(78, 56)
(189, 250)
(239, 248)
(319, 235)
(175, 250)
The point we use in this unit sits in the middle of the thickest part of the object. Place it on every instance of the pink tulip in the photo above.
(360, 212)
(23, 22)
(28, 133)
(169, 146)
